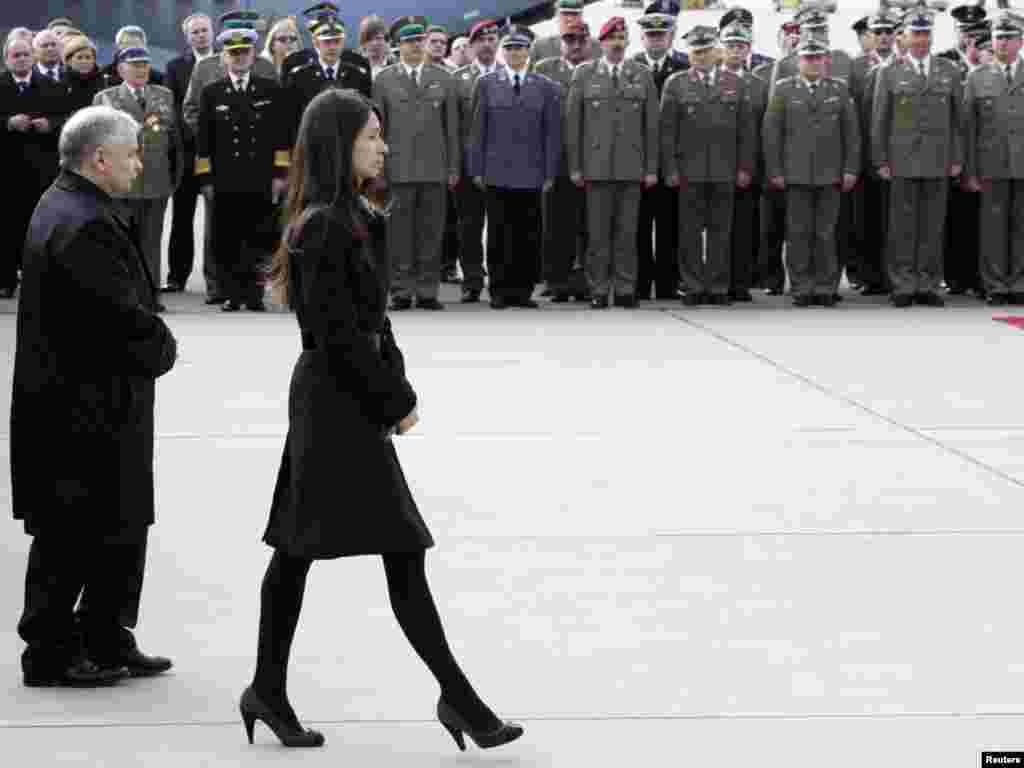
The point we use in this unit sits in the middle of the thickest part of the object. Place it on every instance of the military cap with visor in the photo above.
(701, 38)
(408, 28)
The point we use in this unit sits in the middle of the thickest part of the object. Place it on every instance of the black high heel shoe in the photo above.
(253, 708)
(456, 724)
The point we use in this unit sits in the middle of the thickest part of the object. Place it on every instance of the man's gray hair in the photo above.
(130, 31)
(189, 20)
(92, 127)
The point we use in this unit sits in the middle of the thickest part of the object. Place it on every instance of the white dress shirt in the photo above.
(241, 82)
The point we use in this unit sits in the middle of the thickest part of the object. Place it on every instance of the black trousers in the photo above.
(874, 233)
(472, 208)
(770, 268)
(746, 238)
(565, 237)
(960, 254)
(513, 241)
(106, 570)
(240, 234)
(846, 240)
(657, 242)
(450, 243)
(181, 250)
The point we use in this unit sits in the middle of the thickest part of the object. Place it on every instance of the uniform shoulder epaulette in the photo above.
(301, 67)
(437, 68)
(546, 62)
(789, 80)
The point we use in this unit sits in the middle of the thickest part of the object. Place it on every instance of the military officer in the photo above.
(970, 19)
(242, 158)
(334, 67)
(812, 151)
(994, 162)
(865, 39)
(570, 13)
(657, 228)
(745, 18)
(515, 150)
(746, 219)
(916, 143)
(163, 150)
(707, 150)
(470, 199)
(613, 153)
(314, 16)
(813, 15)
(420, 105)
(565, 205)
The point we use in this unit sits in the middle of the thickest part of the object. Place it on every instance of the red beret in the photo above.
(614, 24)
(483, 27)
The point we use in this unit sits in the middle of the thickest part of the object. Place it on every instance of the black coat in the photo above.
(32, 157)
(80, 90)
(89, 348)
(340, 489)
(179, 73)
(306, 81)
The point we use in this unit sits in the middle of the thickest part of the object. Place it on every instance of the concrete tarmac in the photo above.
(754, 535)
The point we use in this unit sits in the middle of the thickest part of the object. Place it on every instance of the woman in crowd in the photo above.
(340, 489)
(81, 74)
(283, 40)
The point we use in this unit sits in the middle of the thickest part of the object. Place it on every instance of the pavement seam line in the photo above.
(846, 399)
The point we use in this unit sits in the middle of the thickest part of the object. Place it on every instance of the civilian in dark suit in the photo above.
(32, 111)
(349, 395)
(82, 414)
(515, 152)
(198, 31)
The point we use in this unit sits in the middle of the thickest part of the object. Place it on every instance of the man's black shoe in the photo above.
(399, 304)
(470, 295)
(560, 297)
(873, 290)
(774, 291)
(80, 674)
(826, 301)
(581, 297)
(135, 663)
(929, 300)
(432, 304)
(626, 302)
(692, 299)
(902, 301)
(527, 303)
(160, 307)
(720, 299)
(256, 306)
(230, 306)
(803, 301)
(172, 287)
(741, 296)
(997, 300)
(599, 302)
(212, 301)
(8, 293)
(546, 292)
(497, 302)
(451, 276)
(1017, 299)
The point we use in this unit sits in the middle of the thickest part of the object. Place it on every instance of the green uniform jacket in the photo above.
(561, 72)
(994, 124)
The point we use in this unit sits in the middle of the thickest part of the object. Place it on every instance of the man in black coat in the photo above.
(32, 110)
(82, 413)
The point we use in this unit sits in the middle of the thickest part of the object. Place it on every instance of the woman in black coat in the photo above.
(82, 77)
(340, 490)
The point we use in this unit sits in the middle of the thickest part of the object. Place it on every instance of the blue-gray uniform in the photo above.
(515, 148)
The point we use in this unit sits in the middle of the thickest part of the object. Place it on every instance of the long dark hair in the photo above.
(321, 177)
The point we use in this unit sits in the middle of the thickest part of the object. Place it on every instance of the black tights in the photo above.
(413, 605)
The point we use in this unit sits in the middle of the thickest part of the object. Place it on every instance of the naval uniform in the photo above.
(306, 81)
(241, 145)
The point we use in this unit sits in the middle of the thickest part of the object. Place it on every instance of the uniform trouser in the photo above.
(1001, 240)
(612, 208)
(847, 242)
(415, 233)
(917, 212)
(181, 249)
(875, 201)
(811, 216)
(472, 207)
(565, 224)
(513, 241)
(236, 245)
(450, 242)
(147, 219)
(105, 569)
(960, 261)
(858, 236)
(770, 268)
(705, 206)
(209, 251)
(657, 255)
(746, 227)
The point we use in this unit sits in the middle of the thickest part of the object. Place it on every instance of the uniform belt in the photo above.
(309, 342)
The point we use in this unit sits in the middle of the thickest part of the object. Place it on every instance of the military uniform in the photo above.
(613, 143)
(707, 137)
(746, 220)
(307, 81)
(994, 153)
(916, 133)
(550, 47)
(421, 128)
(811, 139)
(241, 145)
(163, 162)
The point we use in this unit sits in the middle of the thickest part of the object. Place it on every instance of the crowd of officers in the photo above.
(611, 179)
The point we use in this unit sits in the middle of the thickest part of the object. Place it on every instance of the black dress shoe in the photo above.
(470, 295)
(581, 297)
(741, 296)
(172, 287)
(135, 663)
(399, 304)
(692, 299)
(159, 307)
(80, 674)
(626, 302)
(873, 290)
(599, 302)
(902, 301)
(929, 300)
(560, 297)
(497, 302)
(8, 293)
(803, 301)
(1017, 299)
(546, 292)
(720, 299)
(527, 304)
(256, 306)
(450, 276)
(231, 306)
(431, 304)
(774, 291)
(664, 296)
(212, 301)
(826, 301)
(997, 300)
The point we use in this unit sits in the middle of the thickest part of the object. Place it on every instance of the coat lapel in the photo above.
(128, 102)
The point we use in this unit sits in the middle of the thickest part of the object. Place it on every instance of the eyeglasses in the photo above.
(791, 29)
(287, 38)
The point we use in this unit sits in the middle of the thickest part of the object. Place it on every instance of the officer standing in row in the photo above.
(334, 67)
(613, 154)
(565, 205)
(657, 229)
(242, 159)
(570, 14)
(994, 162)
(916, 143)
(514, 154)
(812, 151)
(470, 199)
(707, 151)
(419, 102)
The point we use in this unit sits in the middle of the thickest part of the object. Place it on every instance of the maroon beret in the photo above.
(614, 24)
(483, 27)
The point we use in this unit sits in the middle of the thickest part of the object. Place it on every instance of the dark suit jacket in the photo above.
(179, 73)
(33, 154)
(82, 404)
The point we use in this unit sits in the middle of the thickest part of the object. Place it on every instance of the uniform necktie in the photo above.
(54, 74)
(330, 73)
(920, 68)
(515, 85)
(1009, 75)
(814, 88)
(140, 97)
(615, 77)
(416, 77)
